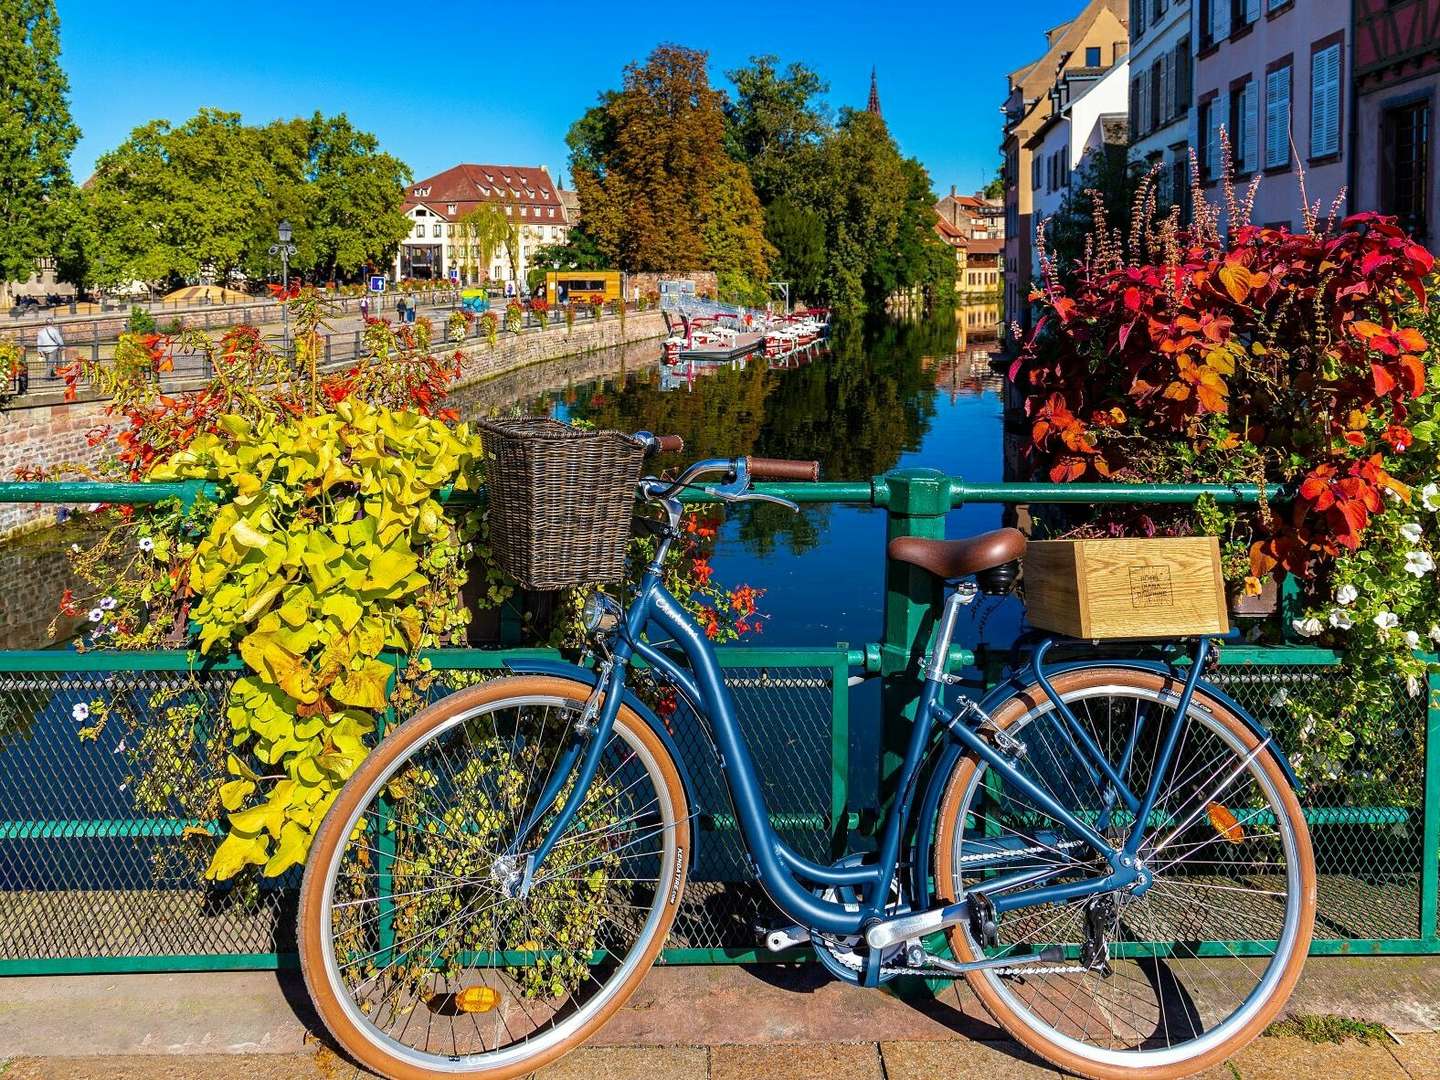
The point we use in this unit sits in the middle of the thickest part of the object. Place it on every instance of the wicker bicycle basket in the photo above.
(561, 500)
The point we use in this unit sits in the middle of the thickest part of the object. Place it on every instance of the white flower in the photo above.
(1346, 594)
(1418, 563)
(119, 747)
(146, 544)
(95, 614)
(1430, 497)
(1435, 634)
(1387, 620)
(1280, 696)
(1412, 531)
(80, 712)
(75, 549)
(1413, 685)
(1307, 627)
(1412, 639)
(1391, 494)
(108, 604)
(1341, 619)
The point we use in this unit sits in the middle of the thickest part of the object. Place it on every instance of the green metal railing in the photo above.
(87, 883)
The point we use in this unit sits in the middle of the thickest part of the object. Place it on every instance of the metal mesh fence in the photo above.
(97, 861)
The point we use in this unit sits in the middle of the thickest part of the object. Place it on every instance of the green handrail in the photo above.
(874, 492)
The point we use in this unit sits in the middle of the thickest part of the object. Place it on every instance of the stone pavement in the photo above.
(720, 1023)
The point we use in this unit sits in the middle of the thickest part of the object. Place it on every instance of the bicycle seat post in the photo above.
(963, 595)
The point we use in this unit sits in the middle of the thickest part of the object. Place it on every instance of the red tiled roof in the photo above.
(948, 231)
(466, 186)
(991, 245)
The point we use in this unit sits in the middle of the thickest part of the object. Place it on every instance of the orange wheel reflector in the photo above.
(477, 999)
(1225, 824)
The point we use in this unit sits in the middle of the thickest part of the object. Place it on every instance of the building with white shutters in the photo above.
(1275, 75)
(442, 241)
(1162, 94)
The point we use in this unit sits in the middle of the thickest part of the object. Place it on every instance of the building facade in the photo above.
(1096, 38)
(1397, 90)
(1274, 74)
(974, 215)
(1087, 115)
(444, 242)
(1162, 94)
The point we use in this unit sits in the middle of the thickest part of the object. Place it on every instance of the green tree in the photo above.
(1108, 172)
(918, 258)
(482, 232)
(204, 199)
(995, 187)
(799, 238)
(354, 192)
(36, 135)
(775, 122)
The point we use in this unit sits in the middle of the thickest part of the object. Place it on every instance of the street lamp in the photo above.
(284, 249)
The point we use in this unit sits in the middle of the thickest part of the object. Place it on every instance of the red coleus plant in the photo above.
(1287, 344)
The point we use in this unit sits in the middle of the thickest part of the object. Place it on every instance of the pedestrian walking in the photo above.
(364, 308)
(52, 346)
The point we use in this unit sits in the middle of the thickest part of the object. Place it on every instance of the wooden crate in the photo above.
(1129, 588)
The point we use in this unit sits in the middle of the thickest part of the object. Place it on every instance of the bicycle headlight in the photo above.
(601, 612)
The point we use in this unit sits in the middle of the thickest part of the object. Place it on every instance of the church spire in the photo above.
(873, 105)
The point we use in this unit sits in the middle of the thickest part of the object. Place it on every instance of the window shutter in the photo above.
(1252, 10)
(1252, 126)
(1325, 102)
(1142, 114)
(1166, 108)
(1277, 118)
(1218, 106)
(1219, 19)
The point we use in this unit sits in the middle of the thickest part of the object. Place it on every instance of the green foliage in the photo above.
(1326, 1029)
(481, 232)
(1106, 184)
(36, 134)
(798, 235)
(172, 202)
(329, 551)
(775, 123)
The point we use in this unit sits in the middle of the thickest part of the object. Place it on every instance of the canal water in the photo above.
(886, 395)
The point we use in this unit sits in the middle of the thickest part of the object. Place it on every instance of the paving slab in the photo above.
(302, 1066)
(630, 1063)
(1418, 1054)
(962, 1060)
(797, 1061)
(1289, 1058)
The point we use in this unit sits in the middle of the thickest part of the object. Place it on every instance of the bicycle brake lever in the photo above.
(774, 500)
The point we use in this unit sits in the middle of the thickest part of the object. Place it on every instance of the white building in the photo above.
(440, 241)
(1162, 94)
(1087, 114)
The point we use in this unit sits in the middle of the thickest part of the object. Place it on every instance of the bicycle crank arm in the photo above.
(930, 962)
(904, 927)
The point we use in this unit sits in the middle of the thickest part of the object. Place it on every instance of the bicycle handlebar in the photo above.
(782, 469)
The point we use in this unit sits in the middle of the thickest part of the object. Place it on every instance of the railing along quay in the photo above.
(88, 883)
(340, 348)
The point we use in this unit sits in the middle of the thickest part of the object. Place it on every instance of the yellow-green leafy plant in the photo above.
(331, 549)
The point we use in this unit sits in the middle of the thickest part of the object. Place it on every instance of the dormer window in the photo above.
(421, 192)
(451, 208)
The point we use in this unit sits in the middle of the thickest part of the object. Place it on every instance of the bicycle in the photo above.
(1111, 849)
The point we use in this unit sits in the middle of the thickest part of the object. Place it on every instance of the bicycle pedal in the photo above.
(785, 937)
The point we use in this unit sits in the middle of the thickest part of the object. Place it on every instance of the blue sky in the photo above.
(441, 83)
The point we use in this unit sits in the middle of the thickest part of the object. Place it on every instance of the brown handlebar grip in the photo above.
(782, 469)
(669, 444)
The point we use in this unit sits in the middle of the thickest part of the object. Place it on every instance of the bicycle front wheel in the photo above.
(422, 954)
(1166, 981)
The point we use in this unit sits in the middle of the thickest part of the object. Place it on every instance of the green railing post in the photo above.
(916, 502)
(1430, 845)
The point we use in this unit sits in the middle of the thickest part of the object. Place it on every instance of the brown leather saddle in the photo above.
(951, 559)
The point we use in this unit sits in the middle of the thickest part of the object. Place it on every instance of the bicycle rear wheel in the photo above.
(1169, 982)
(419, 951)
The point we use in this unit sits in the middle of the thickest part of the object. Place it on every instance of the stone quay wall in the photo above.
(46, 431)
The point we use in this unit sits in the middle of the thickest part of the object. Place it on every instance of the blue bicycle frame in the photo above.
(793, 882)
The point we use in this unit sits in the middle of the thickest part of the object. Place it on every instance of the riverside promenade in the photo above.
(689, 1023)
